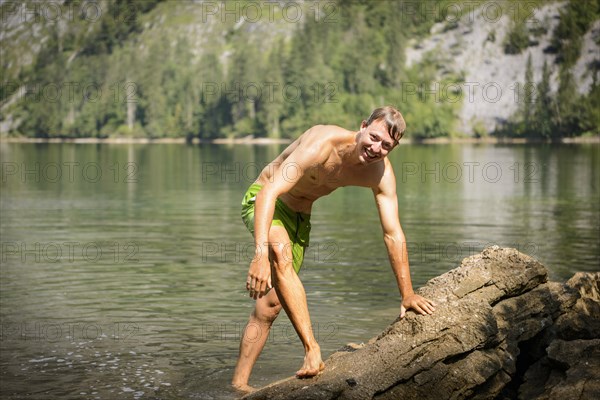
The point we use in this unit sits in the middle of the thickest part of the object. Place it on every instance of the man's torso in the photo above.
(323, 177)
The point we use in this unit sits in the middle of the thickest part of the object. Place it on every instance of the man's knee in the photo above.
(267, 314)
(281, 256)
(273, 312)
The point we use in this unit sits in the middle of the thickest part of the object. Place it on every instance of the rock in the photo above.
(570, 371)
(495, 318)
(569, 367)
(584, 320)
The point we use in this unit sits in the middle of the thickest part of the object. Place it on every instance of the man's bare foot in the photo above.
(312, 364)
(243, 387)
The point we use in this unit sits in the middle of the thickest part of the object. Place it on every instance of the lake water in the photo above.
(123, 266)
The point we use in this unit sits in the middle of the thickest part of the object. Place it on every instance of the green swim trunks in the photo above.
(296, 224)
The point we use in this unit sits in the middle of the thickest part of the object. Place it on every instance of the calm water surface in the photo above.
(123, 266)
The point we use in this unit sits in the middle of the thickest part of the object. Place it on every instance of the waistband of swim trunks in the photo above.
(256, 187)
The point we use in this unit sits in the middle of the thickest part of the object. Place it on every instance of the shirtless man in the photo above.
(276, 209)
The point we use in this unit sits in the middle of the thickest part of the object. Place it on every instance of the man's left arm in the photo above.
(395, 242)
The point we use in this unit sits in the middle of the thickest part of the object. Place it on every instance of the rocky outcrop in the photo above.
(500, 331)
(570, 366)
(473, 46)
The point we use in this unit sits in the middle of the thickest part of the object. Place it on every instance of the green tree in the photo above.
(575, 20)
(214, 108)
(567, 115)
(517, 38)
(543, 125)
(244, 89)
(360, 59)
(528, 94)
(590, 104)
(272, 96)
(395, 58)
(43, 103)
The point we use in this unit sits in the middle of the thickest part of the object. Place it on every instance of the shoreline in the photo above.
(133, 140)
(270, 141)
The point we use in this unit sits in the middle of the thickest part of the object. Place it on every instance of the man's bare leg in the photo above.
(254, 338)
(292, 296)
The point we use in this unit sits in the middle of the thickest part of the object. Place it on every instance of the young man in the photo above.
(276, 209)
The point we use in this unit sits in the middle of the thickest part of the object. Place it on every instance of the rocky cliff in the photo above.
(474, 47)
(501, 330)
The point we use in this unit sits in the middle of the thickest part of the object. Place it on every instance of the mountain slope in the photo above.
(211, 69)
(475, 49)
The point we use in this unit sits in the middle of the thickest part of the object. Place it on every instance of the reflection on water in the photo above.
(123, 266)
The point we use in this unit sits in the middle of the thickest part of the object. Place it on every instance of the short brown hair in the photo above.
(393, 120)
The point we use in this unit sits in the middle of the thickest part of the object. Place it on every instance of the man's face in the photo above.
(374, 142)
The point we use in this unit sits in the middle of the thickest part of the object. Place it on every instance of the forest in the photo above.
(136, 71)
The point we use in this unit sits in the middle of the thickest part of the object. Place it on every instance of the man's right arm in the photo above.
(259, 273)
(283, 180)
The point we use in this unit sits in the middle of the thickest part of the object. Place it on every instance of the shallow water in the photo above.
(123, 266)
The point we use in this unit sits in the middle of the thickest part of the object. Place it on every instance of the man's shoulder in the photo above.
(319, 142)
(325, 134)
(330, 130)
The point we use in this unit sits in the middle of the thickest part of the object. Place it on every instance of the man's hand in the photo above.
(420, 304)
(258, 282)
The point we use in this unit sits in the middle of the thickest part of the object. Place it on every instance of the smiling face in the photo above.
(374, 142)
